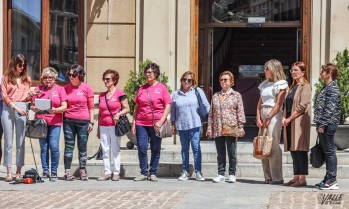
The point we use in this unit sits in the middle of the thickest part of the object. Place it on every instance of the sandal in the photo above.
(268, 181)
(19, 177)
(8, 178)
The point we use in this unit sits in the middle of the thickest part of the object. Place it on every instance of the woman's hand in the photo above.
(209, 133)
(259, 123)
(52, 111)
(21, 111)
(157, 126)
(266, 122)
(34, 109)
(98, 133)
(134, 128)
(89, 128)
(174, 129)
(117, 118)
(320, 130)
(285, 122)
(241, 132)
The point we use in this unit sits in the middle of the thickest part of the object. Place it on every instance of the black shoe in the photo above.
(329, 186)
(45, 177)
(318, 185)
(54, 177)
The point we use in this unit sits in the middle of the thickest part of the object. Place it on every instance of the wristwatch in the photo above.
(269, 117)
(92, 123)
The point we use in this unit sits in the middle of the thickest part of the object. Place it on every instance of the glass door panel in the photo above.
(26, 33)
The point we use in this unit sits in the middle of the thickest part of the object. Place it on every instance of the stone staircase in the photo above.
(247, 166)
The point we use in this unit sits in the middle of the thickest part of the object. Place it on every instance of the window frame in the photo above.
(45, 35)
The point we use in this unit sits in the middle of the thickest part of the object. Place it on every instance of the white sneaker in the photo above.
(232, 179)
(184, 176)
(219, 179)
(199, 177)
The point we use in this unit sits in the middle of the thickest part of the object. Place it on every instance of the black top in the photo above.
(289, 101)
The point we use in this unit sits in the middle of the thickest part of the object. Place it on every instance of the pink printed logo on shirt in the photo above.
(157, 91)
(80, 93)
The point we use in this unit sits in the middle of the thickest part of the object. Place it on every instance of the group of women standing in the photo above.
(73, 108)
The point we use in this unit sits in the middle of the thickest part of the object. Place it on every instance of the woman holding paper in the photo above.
(55, 94)
(15, 90)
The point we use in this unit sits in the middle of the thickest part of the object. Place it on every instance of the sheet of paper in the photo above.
(43, 104)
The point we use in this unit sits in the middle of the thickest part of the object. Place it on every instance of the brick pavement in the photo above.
(91, 199)
(310, 199)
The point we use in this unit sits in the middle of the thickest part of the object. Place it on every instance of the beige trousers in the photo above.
(272, 167)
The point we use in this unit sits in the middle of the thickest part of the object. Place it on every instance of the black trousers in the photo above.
(300, 162)
(226, 144)
(327, 144)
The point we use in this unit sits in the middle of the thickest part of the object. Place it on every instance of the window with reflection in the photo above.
(234, 11)
(63, 35)
(26, 33)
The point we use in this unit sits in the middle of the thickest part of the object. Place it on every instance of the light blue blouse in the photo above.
(185, 109)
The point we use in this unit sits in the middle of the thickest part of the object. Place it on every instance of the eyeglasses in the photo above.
(106, 79)
(148, 72)
(224, 79)
(187, 80)
(71, 75)
(293, 70)
(47, 78)
(20, 65)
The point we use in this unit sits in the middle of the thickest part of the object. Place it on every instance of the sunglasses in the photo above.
(106, 79)
(47, 77)
(148, 72)
(20, 65)
(224, 79)
(187, 80)
(72, 75)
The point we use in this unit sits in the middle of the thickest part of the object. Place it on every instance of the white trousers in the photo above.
(111, 149)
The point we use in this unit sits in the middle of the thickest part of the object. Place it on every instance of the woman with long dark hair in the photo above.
(15, 91)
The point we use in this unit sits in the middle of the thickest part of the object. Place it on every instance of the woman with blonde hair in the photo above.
(49, 146)
(226, 109)
(186, 121)
(296, 119)
(269, 116)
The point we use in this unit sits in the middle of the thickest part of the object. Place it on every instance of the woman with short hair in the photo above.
(327, 114)
(112, 104)
(49, 146)
(153, 104)
(78, 120)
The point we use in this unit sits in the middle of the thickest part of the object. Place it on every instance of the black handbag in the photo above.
(123, 126)
(317, 157)
(36, 129)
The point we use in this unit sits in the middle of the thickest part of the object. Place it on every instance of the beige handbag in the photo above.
(262, 145)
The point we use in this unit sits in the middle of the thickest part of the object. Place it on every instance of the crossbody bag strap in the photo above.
(106, 102)
(151, 106)
(198, 96)
(53, 88)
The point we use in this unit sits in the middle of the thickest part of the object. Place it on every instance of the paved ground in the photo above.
(168, 193)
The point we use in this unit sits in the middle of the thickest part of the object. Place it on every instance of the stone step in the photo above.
(173, 169)
(210, 156)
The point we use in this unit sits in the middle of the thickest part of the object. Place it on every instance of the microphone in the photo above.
(45, 87)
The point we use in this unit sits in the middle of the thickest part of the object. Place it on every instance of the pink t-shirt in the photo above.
(77, 99)
(159, 97)
(58, 96)
(114, 104)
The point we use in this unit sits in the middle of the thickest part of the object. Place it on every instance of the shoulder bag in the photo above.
(37, 128)
(165, 130)
(123, 126)
(202, 110)
(262, 145)
(227, 129)
(317, 157)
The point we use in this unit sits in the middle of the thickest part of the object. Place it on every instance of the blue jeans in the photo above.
(191, 136)
(72, 128)
(326, 140)
(143, 133)
(50, 143)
